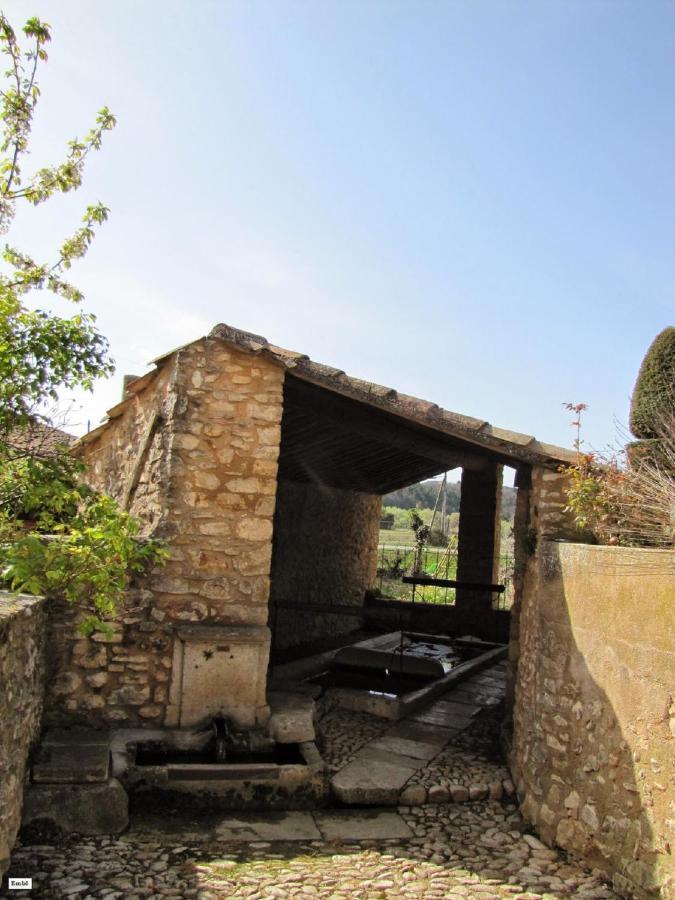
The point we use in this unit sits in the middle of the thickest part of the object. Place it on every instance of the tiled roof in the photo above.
(478, 432)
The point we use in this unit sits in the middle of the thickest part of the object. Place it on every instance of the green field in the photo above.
(397, 537)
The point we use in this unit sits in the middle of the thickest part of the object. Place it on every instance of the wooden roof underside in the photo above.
(334, 440)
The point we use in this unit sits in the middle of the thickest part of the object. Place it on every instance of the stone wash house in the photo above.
(263, 472)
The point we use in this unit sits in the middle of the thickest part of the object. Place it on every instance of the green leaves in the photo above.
(41, 352)
(57, 536)
(89, 557)
(17, 106)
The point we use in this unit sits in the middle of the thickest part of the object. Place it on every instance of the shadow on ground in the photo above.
(445, 851)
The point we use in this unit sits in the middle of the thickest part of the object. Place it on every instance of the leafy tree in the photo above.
(57, 536)
(41, 352)
(423, 496)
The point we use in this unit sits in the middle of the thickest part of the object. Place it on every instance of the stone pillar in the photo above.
(479, 537)
(524, 544)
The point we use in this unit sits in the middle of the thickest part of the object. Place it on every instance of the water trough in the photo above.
(395, 674)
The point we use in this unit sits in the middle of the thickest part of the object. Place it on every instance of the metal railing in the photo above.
(393, 562)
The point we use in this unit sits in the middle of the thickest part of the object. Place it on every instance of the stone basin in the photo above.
(396, 674)
(159, 764)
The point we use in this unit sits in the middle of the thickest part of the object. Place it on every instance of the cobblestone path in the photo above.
(477, 850)
(480, 849)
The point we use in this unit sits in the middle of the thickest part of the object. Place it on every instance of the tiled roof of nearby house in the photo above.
(39, 439)
(509, 445)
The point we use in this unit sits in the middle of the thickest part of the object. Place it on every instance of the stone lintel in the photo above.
(242, 634)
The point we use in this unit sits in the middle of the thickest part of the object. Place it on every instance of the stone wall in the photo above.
(594, 718)
(129, 460)
(325, 551)
(547, 509)
(195, 453)
(22, 676)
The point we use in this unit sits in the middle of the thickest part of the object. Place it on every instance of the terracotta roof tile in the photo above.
(522, 447)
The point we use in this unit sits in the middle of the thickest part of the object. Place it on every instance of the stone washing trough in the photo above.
(85, 781)
(395, 674)
(223, 767)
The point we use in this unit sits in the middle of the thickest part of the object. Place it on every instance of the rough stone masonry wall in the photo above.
(130, 459)
(548, 501)
(325, 551)
(22, 676)
(206, 485)
(594, 718)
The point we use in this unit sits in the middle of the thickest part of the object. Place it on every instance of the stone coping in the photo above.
(14, 604)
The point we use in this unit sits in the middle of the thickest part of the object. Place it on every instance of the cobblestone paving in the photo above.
(344, 732)
(471, 757)
(470, 850)
(480, 849)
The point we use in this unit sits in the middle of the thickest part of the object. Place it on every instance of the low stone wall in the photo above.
(325, 551)
(594, 717)
(22, 676)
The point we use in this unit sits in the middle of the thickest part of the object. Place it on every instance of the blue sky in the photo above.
(473, 202)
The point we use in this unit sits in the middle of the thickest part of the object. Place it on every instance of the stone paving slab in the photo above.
(350, 825)
(480, 695)
(150, 829)
(489, 679)
(417, 731)
(270, 826)
(226, 832)
(364, 783)
(417, 749)
(434, 715)
(377, 755)
(76, 737)
(458, 706)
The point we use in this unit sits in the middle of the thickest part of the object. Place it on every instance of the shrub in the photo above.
(630, 506)
(653, 400)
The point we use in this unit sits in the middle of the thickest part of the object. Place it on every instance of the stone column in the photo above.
(479, 537)
(523, 550)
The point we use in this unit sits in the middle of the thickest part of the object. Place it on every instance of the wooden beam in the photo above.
(449, 582)
(135, 475)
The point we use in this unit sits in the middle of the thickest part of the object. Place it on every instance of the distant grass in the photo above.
(397, 537)
(403, 537)
(395, 558)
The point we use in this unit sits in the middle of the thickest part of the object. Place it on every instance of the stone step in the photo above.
(71, 764)
(369, 782)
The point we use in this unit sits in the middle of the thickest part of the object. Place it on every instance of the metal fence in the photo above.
(393, 562)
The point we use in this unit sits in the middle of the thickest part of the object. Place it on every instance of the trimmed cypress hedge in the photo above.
(653, 401)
